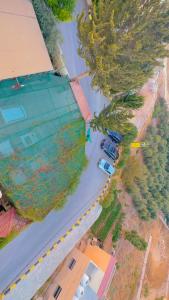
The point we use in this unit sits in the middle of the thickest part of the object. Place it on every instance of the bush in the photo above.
(62, 9)
(121, 164)
(131, 135)
(117, 232)
(111, 219)
(111, 195)
(48, 26)
(136, 240)
(128, 139)
(8, 239)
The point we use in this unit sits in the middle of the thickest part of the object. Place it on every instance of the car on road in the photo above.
(106, 167)
(114, 135)
(110, 148)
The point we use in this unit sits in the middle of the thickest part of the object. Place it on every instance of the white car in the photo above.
(106, 167)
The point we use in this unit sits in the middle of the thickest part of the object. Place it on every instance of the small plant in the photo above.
(136, 240)
(146, 290)
(117, 232)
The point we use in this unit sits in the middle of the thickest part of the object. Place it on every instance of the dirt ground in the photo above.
(156, 277)
(130, 260)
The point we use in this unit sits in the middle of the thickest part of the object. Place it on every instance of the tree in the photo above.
(134, 170)
(62, 9)
(115, 117)
(122, 43)
(131, 101)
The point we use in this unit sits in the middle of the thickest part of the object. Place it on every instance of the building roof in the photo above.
(98, 256)
(107, 277)
(6, 222)
(36, 141)
(81, 100)
(22, 48)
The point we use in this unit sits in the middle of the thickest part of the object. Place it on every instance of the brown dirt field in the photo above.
(158, 264)
(129, 258)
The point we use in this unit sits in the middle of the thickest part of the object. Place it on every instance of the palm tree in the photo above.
(115, 117)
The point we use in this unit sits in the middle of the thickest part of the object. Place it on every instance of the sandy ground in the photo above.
(156, 277)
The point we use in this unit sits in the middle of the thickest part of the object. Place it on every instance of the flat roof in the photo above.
(98, 256)
(22, 48)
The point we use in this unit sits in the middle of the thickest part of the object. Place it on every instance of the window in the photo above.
(72, 263)
(57, 292)
(6, 148)
(18, 177)
(29, 139)
(13, 114)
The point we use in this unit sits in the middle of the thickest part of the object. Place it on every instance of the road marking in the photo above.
(13, 286)
(7, 291)
(32, 268)
(55, 246)
(40, 259)
(23, 276)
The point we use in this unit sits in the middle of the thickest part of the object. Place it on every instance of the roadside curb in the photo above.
(61, 68)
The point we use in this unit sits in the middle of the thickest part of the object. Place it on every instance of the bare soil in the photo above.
(158, 264)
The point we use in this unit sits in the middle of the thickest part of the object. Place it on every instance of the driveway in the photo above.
(23, 250)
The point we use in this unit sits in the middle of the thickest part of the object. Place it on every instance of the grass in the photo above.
(8, 239)
(107, 218)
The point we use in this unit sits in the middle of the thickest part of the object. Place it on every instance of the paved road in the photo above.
(34, 240)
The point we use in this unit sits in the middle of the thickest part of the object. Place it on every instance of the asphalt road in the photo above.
(22, 251)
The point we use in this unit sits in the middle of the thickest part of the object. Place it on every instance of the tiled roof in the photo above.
(6, 222)
(107, 277)
(81, 100)
(98, 256)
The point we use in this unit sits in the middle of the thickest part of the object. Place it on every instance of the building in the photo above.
(39, 125)
(22, 48)
(35, 107)
(7, 222)
(83, 276)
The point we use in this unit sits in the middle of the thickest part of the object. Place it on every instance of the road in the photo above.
(20, 253)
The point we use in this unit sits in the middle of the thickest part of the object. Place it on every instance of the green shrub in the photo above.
(121, 164)
(62, 9)
(117, 232)
(8, 239)
(130, 136)
(108, 224)
(136, 240)
(111, 195)
(48, 26)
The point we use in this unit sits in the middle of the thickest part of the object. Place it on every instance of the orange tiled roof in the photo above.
(81, 100)
(98, 256)
(6, 222)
